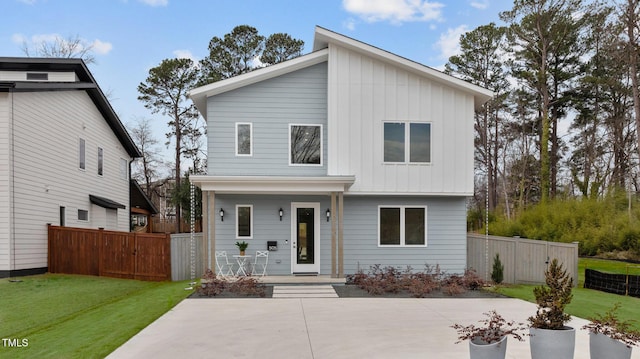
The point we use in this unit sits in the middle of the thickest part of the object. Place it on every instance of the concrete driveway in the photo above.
(326, 328)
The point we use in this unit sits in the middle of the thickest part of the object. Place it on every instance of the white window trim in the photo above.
(402, 227)
(321, 145)
(250, 221)
(407, 143)
(80, 140)
(88, 215)
(250, 139)
(103, 162)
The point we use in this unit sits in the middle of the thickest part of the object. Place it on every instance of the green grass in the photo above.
(68, 316)
(587, 303)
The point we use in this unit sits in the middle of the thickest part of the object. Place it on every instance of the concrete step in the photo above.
(304, 291)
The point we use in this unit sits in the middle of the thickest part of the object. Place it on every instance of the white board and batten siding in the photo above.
(47, 130)
(5, 178)
(365, 93)
(271, 106)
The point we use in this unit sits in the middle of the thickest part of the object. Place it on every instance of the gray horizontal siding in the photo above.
(271, 105)
(446, 232)
(446, 235)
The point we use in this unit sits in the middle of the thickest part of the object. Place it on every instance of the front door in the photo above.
(305, 237)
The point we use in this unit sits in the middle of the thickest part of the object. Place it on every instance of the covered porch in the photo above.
(286, 211)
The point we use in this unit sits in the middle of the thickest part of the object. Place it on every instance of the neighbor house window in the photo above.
(402, 226)
(305, 144)
(244, 221)
(407, 142)
(100, 161)
(83, 215)
(123, 169)
(244, 134)
(81, 155)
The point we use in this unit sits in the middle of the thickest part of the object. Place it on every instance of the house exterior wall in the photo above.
(47, 129)
(446, 232)
(365, 92)
(5, 178)
(271, 106)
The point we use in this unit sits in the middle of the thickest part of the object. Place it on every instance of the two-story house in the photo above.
(347, 157)
(64, 158)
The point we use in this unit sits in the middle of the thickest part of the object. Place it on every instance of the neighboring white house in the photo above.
(346, 157)
(64, 158)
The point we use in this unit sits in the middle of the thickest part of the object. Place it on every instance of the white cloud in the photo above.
(184, 54)
(394, 11)
(449, 42)
(350, 24)
(155, 2)
(101, 47)
(480, 4)
(18, 38)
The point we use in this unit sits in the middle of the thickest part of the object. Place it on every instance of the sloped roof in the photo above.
(322, 39)
(86, 82)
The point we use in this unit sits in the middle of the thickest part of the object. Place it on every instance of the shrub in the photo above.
(244, 286)
(497, 274)
(211, 284)
(492, 331)
(553, 298)
(610, 325)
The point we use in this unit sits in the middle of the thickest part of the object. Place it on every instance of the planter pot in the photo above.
(479, 350)
(556, 344)
(241, 253)
(601, 346)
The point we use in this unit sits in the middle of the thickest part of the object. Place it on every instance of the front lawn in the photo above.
(70, 316)
(587, 303)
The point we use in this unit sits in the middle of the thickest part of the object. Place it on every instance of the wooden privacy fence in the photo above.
(142, 256)
(524, 260)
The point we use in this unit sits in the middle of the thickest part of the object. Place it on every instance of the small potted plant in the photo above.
(550, 336)
(489, 341)
(242, 246)
(610, 337)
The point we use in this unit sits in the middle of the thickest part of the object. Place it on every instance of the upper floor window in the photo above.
(402, 226)
(244, 135)
(83, 215)
(100, 161)
(407, 142)
(123, 169)
(81, 155)
(305, 145)
(244, 221)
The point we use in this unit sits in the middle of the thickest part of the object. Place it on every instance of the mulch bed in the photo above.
(353, 291)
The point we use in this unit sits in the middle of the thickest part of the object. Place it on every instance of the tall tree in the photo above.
(69, 47)
(243, 50)
(480, 63)
(231, 55)
(146, 167)
(165, 91)
(541, 32)
(631, 21)
(281, 47)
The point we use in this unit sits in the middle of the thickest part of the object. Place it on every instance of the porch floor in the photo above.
(307, 279)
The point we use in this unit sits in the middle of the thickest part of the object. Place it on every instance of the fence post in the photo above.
(49, 249)
(100, 251)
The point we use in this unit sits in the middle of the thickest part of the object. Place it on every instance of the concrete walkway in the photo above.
(326, 328)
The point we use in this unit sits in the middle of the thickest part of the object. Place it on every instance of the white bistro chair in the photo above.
(260, 263)
(225, 268)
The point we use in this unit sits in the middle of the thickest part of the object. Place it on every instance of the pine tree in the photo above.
(497, 274)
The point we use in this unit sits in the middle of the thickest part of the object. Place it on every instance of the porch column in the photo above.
(205, 231)
(211, 215)
(340, 235)
(334, 273)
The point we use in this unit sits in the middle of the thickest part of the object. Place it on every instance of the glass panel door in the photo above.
(305, 237)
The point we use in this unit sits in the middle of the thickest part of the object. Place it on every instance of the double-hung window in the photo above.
(407, 142)
(244, 221)
(244, 136)
(305, 145)
(402, 226)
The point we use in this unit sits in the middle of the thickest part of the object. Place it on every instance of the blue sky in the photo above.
(132, 36)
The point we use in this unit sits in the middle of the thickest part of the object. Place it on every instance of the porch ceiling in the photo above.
(273, 184)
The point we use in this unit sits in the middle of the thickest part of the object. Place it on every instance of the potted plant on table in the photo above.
(550, 336)
(242, 246)
(610, 337)
(489, 341)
